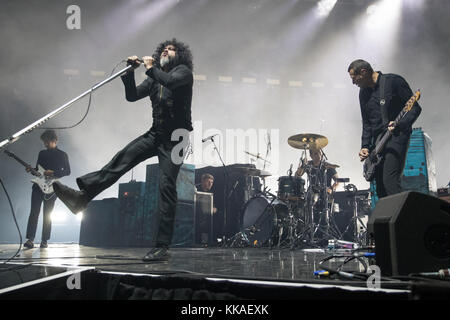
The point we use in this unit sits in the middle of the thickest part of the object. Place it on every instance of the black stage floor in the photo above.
(254, 268)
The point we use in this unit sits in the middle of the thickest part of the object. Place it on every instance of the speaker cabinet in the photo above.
(411, 232)
(101, 224)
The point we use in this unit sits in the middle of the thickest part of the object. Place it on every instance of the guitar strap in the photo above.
(383, 106)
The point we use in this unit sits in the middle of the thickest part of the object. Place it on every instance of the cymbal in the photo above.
(307, 141)
(251, 172)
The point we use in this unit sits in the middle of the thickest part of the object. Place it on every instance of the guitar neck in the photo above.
(380, 145)
(26, 165)
(21, 161)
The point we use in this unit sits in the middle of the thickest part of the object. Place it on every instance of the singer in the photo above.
(169, 85)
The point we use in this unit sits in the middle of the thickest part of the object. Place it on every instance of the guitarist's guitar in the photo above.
(375, 157)
(44, 183)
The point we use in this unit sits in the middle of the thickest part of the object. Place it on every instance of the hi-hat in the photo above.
(251, 172)
(308, 141)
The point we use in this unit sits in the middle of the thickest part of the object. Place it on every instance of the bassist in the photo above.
(56, 165)
(382, 97)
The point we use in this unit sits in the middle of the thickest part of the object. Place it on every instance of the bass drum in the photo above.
(261, 218)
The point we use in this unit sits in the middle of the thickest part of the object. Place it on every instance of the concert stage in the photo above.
(72, 271)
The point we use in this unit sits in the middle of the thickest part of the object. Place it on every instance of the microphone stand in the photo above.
(225, 190)
(55, 112)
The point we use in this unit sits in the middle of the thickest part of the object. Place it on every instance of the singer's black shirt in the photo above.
(170, 94)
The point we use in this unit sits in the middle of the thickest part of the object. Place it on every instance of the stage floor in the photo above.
(250, 265)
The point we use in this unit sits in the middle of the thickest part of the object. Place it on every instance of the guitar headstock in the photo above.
(412, 100)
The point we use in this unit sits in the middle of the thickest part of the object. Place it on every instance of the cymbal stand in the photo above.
(292, 224)
(312, 198)
(225, 190)
(358, 237)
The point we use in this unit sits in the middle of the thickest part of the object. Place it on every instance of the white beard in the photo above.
(163, 61)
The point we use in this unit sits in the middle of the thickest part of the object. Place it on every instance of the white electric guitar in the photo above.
(44, 183)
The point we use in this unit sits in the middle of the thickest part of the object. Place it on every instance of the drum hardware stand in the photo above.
(257, 156)
(268, 149)
(241, 236)
(312, 228)
(359, 237)
(225, 189)
(291, 226)
(334, 233)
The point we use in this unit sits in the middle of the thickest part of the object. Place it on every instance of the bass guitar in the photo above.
(45, 183)
(375, 157)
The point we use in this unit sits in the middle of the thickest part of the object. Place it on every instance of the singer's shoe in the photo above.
(157, 254)
(75, 200)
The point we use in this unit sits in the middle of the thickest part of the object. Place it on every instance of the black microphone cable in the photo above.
(88, 107)
(15, 221)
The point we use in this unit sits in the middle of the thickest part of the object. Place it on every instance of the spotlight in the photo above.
(324, 7)
(372, 9)
(383, 14)
(58, 216)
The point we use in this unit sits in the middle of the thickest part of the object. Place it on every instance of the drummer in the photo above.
(316, 165)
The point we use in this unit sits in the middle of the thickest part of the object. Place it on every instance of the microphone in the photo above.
(290, 170)
(209, 138)
(139, 60)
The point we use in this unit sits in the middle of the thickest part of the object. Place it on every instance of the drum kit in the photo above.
(300, 214)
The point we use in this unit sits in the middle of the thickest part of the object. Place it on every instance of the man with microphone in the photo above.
(169, 86)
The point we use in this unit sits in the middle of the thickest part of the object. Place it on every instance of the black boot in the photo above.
(157, 254)
(75, 200)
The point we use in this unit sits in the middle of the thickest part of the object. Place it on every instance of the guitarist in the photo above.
(56, 165)
(382, 97)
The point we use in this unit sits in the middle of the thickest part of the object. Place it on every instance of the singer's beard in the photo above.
(164, 61)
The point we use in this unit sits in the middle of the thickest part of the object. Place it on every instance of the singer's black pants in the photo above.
(146, 146)
(37, 197)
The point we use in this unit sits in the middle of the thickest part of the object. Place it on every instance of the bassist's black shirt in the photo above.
(396, 93)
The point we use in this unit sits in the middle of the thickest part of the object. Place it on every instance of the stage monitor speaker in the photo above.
(411, 232)
(100, 224)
